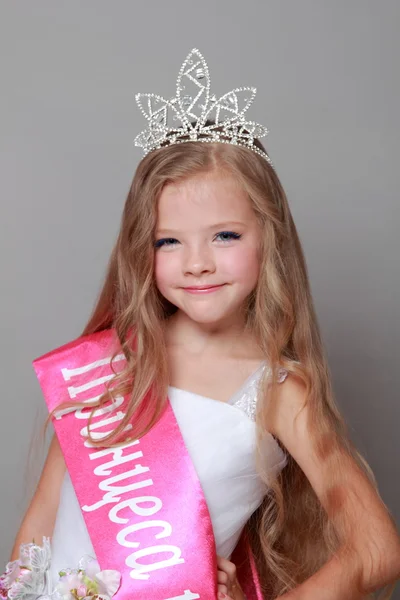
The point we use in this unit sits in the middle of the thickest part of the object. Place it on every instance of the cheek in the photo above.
(242, 263)
(165, 269)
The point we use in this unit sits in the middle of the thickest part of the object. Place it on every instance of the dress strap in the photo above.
(245, 398)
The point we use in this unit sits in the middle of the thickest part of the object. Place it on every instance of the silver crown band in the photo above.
(195, 115)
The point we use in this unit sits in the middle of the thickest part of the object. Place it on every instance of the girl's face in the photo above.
(207, 243)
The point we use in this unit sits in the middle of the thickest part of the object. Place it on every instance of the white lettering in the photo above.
(141, 571)
(121, 537)
(103, 470)
(114, 451)
(142, 506)
(118, 458)
(65, 411)
(149, 511)
(99, 436)
(89, 402)
(119, 400)
(75, 391)
(142, 511)
(186, 594)
(111, 495)
(68, 373)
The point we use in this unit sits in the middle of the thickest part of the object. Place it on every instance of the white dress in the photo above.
(220, 439)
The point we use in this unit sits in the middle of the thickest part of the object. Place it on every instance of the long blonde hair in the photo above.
(291, 534)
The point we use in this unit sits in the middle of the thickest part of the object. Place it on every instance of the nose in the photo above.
(198, 260)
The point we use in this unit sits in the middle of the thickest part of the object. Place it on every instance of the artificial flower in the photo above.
(28, 578)
(87, 582)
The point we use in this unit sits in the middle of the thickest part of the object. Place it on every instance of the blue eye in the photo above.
(225, 236)
(164, 242)
(229, 235)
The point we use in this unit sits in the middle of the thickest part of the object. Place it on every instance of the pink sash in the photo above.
(142, 503)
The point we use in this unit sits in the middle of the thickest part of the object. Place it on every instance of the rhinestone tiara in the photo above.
(187, 117)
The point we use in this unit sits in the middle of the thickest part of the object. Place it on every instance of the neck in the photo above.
(211, 338)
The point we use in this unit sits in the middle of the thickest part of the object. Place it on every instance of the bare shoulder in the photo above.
(40, 517)
(290, 403)
(290, 423)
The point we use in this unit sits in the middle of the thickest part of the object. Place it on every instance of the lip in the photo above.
(203, 289)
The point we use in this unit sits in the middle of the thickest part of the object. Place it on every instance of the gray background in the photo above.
(327, 75)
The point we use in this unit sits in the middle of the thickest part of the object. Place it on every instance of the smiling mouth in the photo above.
(202, 288)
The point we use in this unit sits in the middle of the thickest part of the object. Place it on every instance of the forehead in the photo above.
(203, 199)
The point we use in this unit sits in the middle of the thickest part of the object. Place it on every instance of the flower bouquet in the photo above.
(28, 578)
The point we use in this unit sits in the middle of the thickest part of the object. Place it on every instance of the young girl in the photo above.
(199, 450)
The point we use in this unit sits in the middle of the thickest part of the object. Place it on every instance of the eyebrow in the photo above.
(214, 226)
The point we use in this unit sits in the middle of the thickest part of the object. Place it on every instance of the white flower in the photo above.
(27, 587)
(28, 578)
(36, 557)
(11, 573)
(88, 581)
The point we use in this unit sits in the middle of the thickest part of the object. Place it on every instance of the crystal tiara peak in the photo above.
(187, 117)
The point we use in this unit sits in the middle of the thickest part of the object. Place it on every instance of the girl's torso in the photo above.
(221, 439)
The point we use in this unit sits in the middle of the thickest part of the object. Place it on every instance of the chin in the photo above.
(209, 317)
(205, 319)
